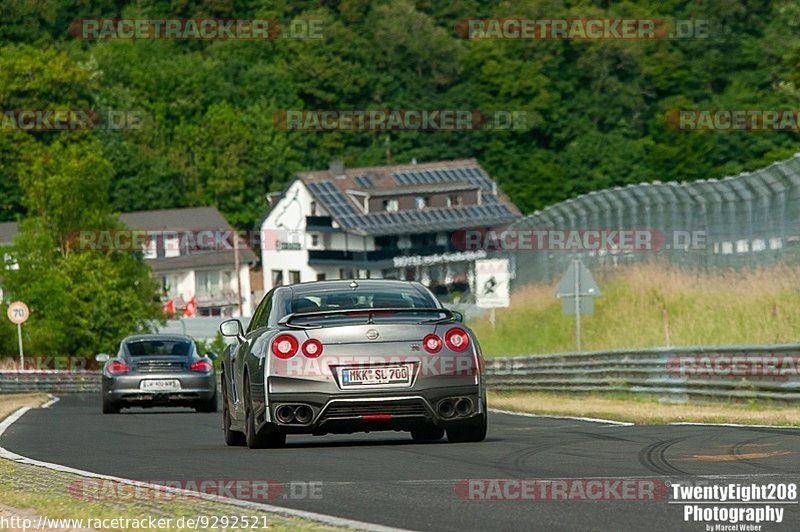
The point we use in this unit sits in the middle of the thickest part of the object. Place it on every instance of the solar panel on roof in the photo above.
(364, 181)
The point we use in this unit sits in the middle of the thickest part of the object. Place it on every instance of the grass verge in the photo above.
(638, 304)
(31, 491)
(644, 410)
(10, 403)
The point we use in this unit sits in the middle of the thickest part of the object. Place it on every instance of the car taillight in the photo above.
(201, 365)
(312, 348)
(117, 367)
(284, 346)
(432, 343)
(456, 339)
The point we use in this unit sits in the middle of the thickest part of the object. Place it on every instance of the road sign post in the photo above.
(18, 312)
(492, 279)
(576, 290)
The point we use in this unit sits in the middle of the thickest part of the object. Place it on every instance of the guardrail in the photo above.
(59, 381)
(766, 372)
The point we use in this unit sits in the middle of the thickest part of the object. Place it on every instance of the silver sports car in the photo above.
(158, 370)
(349, 356)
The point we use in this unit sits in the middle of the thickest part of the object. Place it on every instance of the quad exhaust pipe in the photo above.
(285, 414)
(446, 409)
(464, 407)
(459, 406)
(294, 414)
(303, 414)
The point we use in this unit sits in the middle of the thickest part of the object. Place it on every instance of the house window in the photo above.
(320, 277)
(208, 284)
(421, 202)
(315, 240)
(313, 208)
(454, 200)
(390, 205)
(277, 277)
(294, 276)
(346, 273)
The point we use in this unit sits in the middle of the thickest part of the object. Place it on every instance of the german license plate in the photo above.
(160, 385)
(394, 374)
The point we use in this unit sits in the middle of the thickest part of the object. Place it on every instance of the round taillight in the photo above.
(117, 367)
(457, 339)
(312, 348)
(432, 343)
(284, 346)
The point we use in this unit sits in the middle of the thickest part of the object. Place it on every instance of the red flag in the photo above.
(169, 307)
(190, 310)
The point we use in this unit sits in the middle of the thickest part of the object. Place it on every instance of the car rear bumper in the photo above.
(394, 410)
(126, 389)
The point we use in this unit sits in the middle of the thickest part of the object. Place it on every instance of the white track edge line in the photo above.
(737, 425)
(574, 418)
(286, 512)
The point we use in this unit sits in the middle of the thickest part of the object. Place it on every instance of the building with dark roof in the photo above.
(191, 252)
(396, 221)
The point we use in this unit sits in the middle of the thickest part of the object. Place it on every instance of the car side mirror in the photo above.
(459, 317)
(232, 329)
(102, 357)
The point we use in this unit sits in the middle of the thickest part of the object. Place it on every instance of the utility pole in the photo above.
(388, 145)
(237, 266)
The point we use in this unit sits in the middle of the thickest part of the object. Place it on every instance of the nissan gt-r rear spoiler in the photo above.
(445, 315)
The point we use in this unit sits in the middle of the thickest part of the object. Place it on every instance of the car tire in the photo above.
(109, 406)
(258, 440)
(427, 434)
(207, 407)
(233, 438)
(471, 430)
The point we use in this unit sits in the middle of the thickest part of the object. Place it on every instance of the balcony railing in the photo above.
(372, 256)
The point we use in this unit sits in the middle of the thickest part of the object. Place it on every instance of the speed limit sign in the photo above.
(18, 312)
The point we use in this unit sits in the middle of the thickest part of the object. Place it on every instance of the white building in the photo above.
(382, 222)
(192, 255)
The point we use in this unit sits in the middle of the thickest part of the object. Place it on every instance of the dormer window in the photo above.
(391, 205)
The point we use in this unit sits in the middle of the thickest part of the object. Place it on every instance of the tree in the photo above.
(82, 300)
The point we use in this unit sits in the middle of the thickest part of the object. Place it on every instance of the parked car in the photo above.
(158, 370)
(348, 356)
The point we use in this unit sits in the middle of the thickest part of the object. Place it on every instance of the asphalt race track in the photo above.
(385, 478)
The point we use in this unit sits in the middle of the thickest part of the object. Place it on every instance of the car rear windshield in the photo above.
(361, 299)
(156, 348)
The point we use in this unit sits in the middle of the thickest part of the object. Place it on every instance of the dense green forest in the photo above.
(595, 109)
